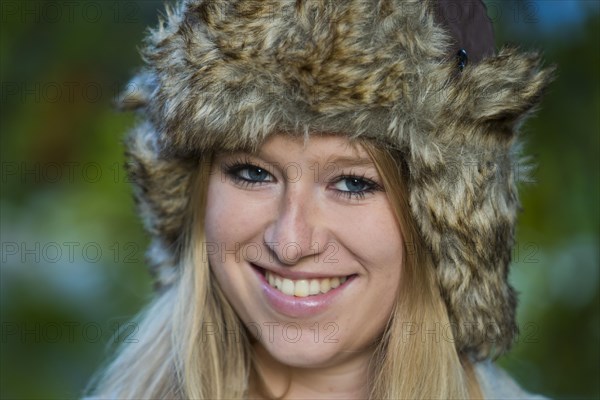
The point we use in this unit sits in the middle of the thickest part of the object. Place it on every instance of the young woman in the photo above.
(331, 188)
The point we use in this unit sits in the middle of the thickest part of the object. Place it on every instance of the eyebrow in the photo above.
(342, 161)
(351, 161)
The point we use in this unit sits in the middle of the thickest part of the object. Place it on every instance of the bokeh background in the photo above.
(72, 248)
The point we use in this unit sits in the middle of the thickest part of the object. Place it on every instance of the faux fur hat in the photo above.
(420, 77)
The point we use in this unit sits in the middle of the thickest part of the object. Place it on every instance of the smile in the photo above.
(298, 297)
(303, 287)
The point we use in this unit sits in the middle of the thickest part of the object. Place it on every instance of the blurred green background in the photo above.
(73, 249)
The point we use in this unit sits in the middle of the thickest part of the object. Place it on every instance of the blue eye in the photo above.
(354, 187)
(253, 173)
(351, 184)
(248, 174)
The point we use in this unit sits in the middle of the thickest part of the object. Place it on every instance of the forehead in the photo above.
(318, 148)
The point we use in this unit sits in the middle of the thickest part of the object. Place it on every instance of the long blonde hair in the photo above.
(191, 344)
(416, 357)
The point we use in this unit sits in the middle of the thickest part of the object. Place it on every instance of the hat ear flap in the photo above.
(500, 92)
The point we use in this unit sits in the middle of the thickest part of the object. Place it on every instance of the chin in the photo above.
(305, 355)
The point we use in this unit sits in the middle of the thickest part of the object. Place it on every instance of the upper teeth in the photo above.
(303, 287)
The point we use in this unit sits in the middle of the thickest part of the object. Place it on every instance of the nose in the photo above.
(297, 230)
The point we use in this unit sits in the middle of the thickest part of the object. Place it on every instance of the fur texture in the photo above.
(227, 74)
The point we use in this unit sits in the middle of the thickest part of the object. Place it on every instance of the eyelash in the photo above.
(372, 187)
(233, 167)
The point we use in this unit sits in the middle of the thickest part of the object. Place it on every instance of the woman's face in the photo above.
(304, 243)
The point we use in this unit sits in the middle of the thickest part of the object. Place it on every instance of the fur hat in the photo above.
(227, 74)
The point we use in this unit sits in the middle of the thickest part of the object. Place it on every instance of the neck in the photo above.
(345, 380)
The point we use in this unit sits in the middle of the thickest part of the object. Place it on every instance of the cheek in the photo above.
(228, 227)
(384, 259)
(233, 225)
(217, 217)
(374, 237)
(229, 218)
(222, 231)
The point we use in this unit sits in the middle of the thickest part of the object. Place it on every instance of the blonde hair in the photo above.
(191, 344)
(416, 357)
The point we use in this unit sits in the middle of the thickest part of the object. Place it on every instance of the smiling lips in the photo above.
(299, 297)
(303, 287)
